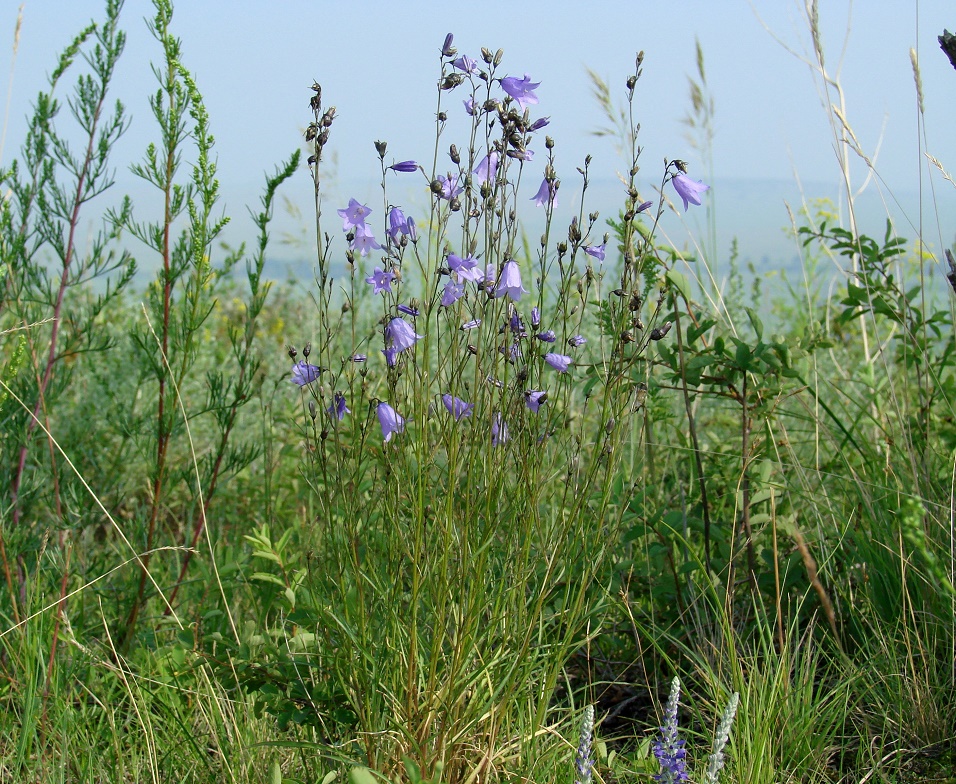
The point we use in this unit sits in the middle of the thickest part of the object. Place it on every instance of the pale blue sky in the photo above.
(377, 62)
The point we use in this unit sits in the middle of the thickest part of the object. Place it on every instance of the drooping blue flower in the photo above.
(559, 362)
(577, 340)
(408, 310)
(452, 293)
(547, 336)
(499, 431)
(449, 187)
(535, 398)
(645, 205)
(397, 224)
(465, 268)
(510, 281)
(522, 90)
(469, 106)
(689, 190)
(516, 325)
(404, 166)
(473, 324)
(390, 420)
(538, 124)
(535, 317)
(457, 407)
(448, 48)
(338, 409)
(466, 64)
(364, 241)
(400, 335)
(547, 193)
(391, 354)
(354, 215)
(597, 251)
(358, 358)
(487, 168)
(380, 280)
(303, 373)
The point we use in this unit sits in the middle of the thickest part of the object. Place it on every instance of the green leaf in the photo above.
(755, 322)
(680, 282)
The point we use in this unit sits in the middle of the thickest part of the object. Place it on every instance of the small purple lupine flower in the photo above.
(669, 750)
(449, 187)
(364, 241)
(535, 317)
(547, 337)
(338, 409)
(577, 340)
(538, 124)
(560, 362)
(404, 166)
(465, 268)
(381, 280)
(303, 373)
(469, 106)
(408, 310)
(487, 168)
(400, 335)
(457, 407)
(644, 206)
(452, 293)
(689, 190)
(597, 251)
(499, 431)
(390, 420)
(466, 64)
(474, 324)
(583, 761)
(522, 90)
(535, 398)
(397, 224)
(547, 193)
(510, 281)
(447, 48)
(354, 215)
(358, 358)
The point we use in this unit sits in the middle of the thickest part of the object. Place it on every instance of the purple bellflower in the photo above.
(538, 124)
(535, 398)
(487, 168)
(510, 281)
(465, 268)
(338, 409)
(466, 64)
(303, 373)
(522, 90)
(689, 190)
(408, 310)
(404, 166)
(577, 340)
(469, 325)
(397, 224)
(547, 336)
(390, 355)
(457, 407)
(452, 293)
(449, 187)
(390, 420)
(559, 362)
(469, 106)
(535, 317)
(644, 206)
(354, 215)
(499, 431)
(448, 47)
(547, 193)
(400, 335)
(669, 750)
(359, 358)
(364, 241)
(597, 251)
(381, 280)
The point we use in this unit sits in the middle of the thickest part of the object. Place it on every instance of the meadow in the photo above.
(469, 505)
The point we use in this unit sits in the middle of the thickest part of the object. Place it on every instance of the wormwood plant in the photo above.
(463, 440)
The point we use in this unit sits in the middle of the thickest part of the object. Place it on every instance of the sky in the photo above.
(378, 63)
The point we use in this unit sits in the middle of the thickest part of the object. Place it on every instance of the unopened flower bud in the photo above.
(453, 154)
(447, 48)
(451, 81)
(307, 350)
(486, 55)
(498, 56)
(292, 352)
(380, 149)
(549, 142)
(631, 82)
(442, 116)
(659, 332)
(312, 409)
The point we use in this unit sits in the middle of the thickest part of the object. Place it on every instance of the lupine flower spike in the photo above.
(716, 760)
(669, 750)
(583, 761)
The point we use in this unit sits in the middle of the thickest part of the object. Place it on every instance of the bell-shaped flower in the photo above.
(597, 251)
(559, 362)
(534, 399)
(689, 190)
(457, 407)
(303, 373)
(452, 293)
(338, 409)
(364, 241)
(499, 431)
(354, 215)
(547, 194)
(390, 420)
(522, 90)
(400, 335)
(381, 280)
(510, 281)
(487, 168)
(465, 268)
